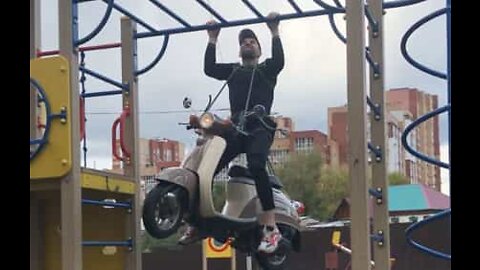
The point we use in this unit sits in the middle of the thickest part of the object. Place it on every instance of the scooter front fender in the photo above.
(184, 178)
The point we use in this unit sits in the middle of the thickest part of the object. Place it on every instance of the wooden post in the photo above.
(71, 207)
(357, 135)
(381, 250)
(132, 166)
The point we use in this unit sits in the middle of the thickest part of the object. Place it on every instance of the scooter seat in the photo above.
(240, 171)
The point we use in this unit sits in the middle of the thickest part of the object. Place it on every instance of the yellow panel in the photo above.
(336, 238)
(214, 249)
(100, 224)
(101, 182)
(50, 215)
(54, 160)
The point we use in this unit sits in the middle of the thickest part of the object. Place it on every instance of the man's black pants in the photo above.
(256, 146)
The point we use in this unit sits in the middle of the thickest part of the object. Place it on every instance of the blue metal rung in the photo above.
(234, 23)
(212, 11)
(131, 16)
(128, 243)
(373, 65)
(103, 93)
(104, 203)
(253, 9)
(295, 6)
(373, 23)
(377, 238)
(376, 192)
(375, 108)
(104, 78)
(171, 13)
(62, 115)
(376, 151)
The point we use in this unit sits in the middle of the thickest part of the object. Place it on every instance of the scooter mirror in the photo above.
(187, 103)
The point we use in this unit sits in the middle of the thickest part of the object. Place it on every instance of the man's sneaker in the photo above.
(271, 238)
(190, 236)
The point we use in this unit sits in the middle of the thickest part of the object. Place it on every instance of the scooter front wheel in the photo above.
(163, 210)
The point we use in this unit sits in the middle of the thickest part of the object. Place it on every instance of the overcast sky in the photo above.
(314, 77)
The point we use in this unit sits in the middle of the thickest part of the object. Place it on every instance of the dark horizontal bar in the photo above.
(100, 47)
(127, 243)
(103, 203)
(103, 93)
(235, 23)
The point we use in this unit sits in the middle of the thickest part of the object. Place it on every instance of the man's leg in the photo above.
(191, 234)
(257, 155)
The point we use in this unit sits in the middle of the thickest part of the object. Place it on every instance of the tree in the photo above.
(319, 189)
(333, 187)
(397, 178)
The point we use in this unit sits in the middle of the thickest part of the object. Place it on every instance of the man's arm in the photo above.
(211, 68)
(277, 62)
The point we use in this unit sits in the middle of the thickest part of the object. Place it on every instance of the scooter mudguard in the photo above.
(183, 178)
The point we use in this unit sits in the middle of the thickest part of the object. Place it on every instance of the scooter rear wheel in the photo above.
(163, 210)
(278, 259)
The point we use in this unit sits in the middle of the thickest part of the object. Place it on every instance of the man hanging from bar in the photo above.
(250, 83)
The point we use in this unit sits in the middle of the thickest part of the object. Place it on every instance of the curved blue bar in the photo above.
(407, 35)
(417, 122)
(41, 142)
(335, 29)
(417, 225)
(99, 27)
(155, 61)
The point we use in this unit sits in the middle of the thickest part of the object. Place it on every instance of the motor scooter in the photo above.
(185, 193)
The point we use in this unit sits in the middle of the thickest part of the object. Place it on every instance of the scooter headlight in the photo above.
(206, 120)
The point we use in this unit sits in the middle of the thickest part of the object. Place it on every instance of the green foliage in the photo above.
(219, 194)
(148, 242)
(319, 189)
(397, 178)
(333, 187)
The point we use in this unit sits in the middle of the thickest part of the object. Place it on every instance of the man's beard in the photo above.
(248, 54)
